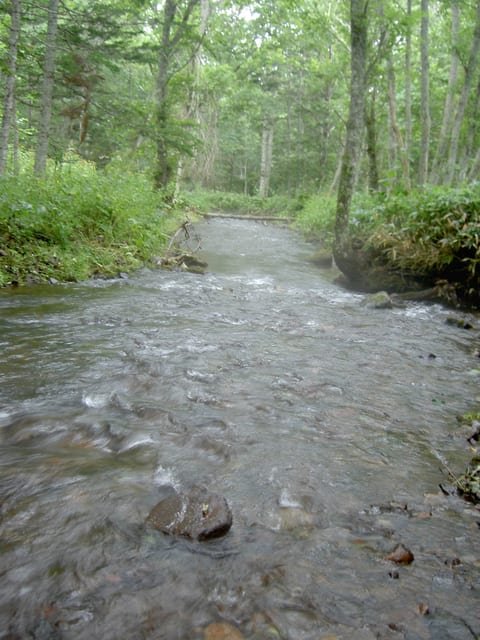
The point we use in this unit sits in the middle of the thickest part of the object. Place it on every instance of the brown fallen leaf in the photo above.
(423, 609)
(400, 555)
(222, 631)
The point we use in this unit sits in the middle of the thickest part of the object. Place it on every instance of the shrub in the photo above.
(436, 230)
(317, 217)
(77, 223)
(220, 201)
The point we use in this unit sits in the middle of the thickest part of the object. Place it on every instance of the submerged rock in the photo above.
(459, 321)
(400, 555)
(195, 514)
(322, 258)
(379, 300)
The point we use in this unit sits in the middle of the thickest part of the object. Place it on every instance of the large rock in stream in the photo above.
(195, 514)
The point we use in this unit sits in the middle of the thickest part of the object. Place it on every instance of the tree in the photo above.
(41, 150)
(267, 155)
(408, 81)
(425, 95)
(9, 97)
(443, 142)
(344, 255)
(470, 71)
(172, 34)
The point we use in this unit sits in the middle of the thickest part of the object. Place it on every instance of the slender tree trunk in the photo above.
(41, 151)
(370, 119)
(9, 98)
(192, 106)
(163, 170)
(472, 161)
(470, 72)
(354, 135)
(449, 108)
(395, 126)
(336, 177)
(288, 143)
(16, 141)
(425, 96)
(267, 154)
(467, 156)
(171, 36)
(408, 83)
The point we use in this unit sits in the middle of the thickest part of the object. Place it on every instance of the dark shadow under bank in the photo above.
(367, 271)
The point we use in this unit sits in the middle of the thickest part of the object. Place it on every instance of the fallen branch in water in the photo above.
(469, 482)
(175, 239)
(238, 216)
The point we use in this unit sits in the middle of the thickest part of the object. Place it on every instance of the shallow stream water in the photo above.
(325, 425)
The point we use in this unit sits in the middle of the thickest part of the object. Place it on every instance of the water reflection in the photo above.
(322, 422)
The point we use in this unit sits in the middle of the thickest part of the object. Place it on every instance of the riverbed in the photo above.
(326, 425)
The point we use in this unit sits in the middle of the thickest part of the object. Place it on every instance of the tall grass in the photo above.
(78, 223)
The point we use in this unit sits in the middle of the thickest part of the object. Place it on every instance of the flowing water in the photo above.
(324, 423)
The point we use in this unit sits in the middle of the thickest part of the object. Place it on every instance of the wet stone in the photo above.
(195, 514)
(379, 300)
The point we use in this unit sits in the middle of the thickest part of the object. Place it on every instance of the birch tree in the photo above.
(470, 71)
(173, 31)
(9, 98)
(408, 81)
(425, 95)
(41, 151)
(443, 142)
(267, 155)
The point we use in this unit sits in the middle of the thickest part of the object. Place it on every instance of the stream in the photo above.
(325, 424)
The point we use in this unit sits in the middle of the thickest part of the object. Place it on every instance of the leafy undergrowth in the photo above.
(429, 235)
(78, 224)
(220, 201)
(434, 234)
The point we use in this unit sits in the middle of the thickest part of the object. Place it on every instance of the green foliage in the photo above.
(78, 223)
(317, 217)
(433, 234)
(437, 230)
(238, 203)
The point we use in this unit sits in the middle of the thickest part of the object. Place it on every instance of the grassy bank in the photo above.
(432, 235)
(79, 223)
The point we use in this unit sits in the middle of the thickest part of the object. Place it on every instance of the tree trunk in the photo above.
(170, 39)
(395, 126)
(192, 105)
(266, 161)
(408, 83)
(41, 151)
(344, 255)
(470, 72)
(449, 108)
(370, 119)
(473, 158)
(9, 98)
(468, 156)
(163, 170)
(16, 140)
(425, 96)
